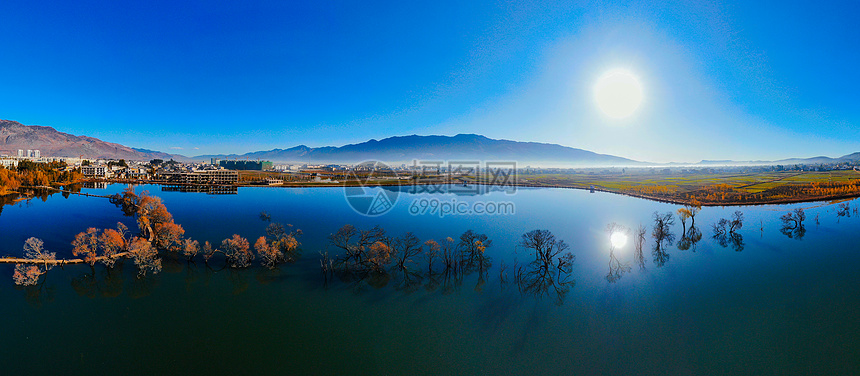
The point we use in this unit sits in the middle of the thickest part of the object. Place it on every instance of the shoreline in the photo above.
(669, 200)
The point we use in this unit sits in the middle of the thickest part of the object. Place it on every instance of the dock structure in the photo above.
(212, 177)
(201, 188)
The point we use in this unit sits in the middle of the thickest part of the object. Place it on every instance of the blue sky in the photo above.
(732, 80)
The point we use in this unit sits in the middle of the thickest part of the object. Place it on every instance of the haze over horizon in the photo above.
(732, 80)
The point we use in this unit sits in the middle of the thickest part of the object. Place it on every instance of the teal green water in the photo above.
(779, 306)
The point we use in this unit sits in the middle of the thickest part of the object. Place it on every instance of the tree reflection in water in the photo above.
(549, 272)
(844, 210)
(617, 237)
(689, 239)
(663, 237)
(638, 246)
(38, 294)
(792, 224)
(725, 231)
(105, 283)
(370, 258)
(142, 286)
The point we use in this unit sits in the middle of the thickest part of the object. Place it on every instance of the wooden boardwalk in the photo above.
(19, 260)
(64, 191)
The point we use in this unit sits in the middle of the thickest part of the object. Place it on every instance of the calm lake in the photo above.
(769, 304)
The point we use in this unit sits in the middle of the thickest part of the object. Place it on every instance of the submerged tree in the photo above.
(190, 248)
(737, 221)
(792, 224)
(208, 251)
(689, 211)
(662, 234)
(448, 253)
(237, 250)
(617, 268)
(431, 252)
(638, 246)
(86, 244)
(265, 216)
(279, 246)
(112, 243)
(844, 210)
(105, 246)
(145, 256)
(153, 220)
(472, 248)
(356, 245)
(689, 238)
(725, 231)
(28, 275)
(406, 247)
(550, 269)
(379, 256)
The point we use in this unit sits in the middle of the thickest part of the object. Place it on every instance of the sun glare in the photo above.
(618, 93)
(618, 239)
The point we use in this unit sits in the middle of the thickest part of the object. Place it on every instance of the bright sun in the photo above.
(618, 93)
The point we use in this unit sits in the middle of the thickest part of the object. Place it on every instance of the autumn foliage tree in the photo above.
(112, 242)
(86, 245)
(378, 256)
(153, 220)
(94, 245)
(27, 275)
(472, 246)
(9, 180)
(145, 256)
(431, 252)
(447, 250)
(356, 245)
(278, 246)
(190, 248)
(237, 251)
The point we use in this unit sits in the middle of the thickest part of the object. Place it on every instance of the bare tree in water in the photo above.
(638, 246)
(663, 236)
(792, 224)
(550, 269)
(617, 268)
(725, 231)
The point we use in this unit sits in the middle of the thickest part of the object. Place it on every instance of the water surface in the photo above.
(780, 305)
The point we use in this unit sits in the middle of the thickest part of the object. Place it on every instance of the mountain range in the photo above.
(392, 150)
(405, 149)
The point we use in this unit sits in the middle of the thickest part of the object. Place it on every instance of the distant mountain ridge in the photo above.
(853, 157)
(394, 150)
(405, 149)
(52, 143)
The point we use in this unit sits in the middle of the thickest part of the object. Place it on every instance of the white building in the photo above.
(99, 171)
(137, 173)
